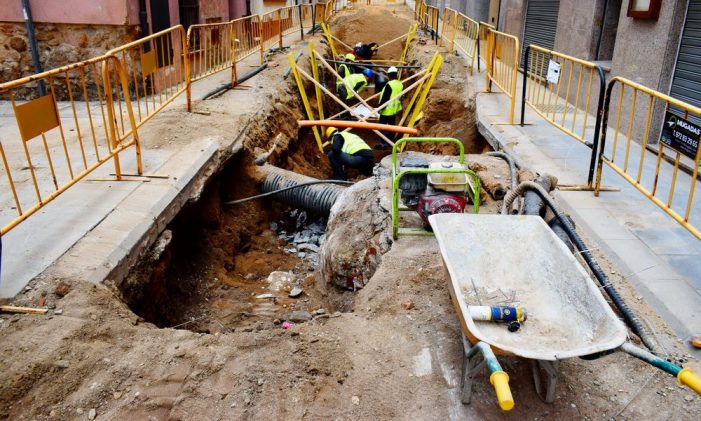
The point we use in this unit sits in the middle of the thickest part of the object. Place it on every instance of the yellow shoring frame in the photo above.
(305, 100)
(335, 98)
(330, 38)
(315, 72)
(436, 65)
(407, 110)
(409, 38)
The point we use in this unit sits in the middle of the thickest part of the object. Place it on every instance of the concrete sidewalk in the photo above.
(657, 255)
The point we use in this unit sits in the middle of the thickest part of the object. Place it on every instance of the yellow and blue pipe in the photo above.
(685, 376)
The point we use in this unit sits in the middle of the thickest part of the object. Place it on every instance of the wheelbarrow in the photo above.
(517, 261)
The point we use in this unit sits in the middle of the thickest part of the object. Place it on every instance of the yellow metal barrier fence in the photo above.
(482, 32)
(636, 106)
(157, 68)
(307, 15)
(248, 40)
(271, 29)
(462, 33)
(564, 90)
(65, 134)
(449, 27)
(210, 49)
(502, 65)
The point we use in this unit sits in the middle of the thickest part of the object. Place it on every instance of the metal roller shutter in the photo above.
(541, 24)
(686, 83)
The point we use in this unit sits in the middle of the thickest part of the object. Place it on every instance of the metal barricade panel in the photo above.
(62, 136)
(628, 147)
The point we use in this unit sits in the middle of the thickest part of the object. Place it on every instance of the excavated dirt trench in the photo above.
(210, 271)
(394, 352)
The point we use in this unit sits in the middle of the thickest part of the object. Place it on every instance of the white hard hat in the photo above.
(358, 45)
(392, 70)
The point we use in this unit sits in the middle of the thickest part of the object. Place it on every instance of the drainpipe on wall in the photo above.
(143, 18)
(27, 12)
(601, 30)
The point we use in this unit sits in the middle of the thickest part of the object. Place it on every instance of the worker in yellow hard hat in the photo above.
(390, 94)
(345, 69)
(348, 150)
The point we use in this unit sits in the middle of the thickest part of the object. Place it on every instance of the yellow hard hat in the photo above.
(330, 131)
(349, 57)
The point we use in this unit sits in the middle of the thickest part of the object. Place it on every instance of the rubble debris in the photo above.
(92, 414)
(281, 281)
(296, 292)
(355, 400)
(299, 316)
(62, 289)
(408, 305)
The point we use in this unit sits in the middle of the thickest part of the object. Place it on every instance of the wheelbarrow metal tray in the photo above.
(518, 260)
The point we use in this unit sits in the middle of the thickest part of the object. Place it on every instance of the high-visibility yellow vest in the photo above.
(347, 72)
(352, 143)
(351, 80)
(395, 104)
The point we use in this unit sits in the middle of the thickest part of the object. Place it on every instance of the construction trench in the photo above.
(273, 308)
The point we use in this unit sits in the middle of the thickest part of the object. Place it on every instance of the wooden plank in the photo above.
(25, 310)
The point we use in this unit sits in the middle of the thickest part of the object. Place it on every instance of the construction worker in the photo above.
(348, 150)
(354, 82)
(391, 96)
(345, 69)
(365, 51)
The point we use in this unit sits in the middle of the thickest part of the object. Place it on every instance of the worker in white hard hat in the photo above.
(391, 96)
(348, 150)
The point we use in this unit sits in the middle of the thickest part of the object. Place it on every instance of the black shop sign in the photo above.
(681, 135)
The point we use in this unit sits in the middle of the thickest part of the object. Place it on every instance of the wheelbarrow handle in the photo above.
(499, 379)
(687, 377)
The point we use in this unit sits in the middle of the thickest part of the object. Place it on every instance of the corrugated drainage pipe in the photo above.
(628, 315)
(315, 198)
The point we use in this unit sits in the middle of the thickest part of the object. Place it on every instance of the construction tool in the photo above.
(260, 159)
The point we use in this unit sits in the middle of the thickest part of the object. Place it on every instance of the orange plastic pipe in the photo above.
(358, 125)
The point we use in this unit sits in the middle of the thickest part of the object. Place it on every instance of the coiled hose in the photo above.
(628, 315)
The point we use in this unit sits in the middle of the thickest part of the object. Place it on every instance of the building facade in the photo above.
(68, 31)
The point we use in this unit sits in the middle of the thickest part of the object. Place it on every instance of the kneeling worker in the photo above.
(390, 93)
(354, 82)
(348, 150)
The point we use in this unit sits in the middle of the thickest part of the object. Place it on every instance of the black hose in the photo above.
(512, 170)
(284, 189)
(364, 64)
(628, 315)
(227, 86)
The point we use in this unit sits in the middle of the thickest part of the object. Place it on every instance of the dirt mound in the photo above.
(372, 25)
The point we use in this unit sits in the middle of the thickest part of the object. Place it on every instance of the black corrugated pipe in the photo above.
(628, 315)
(561, 233)
(298, 190)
